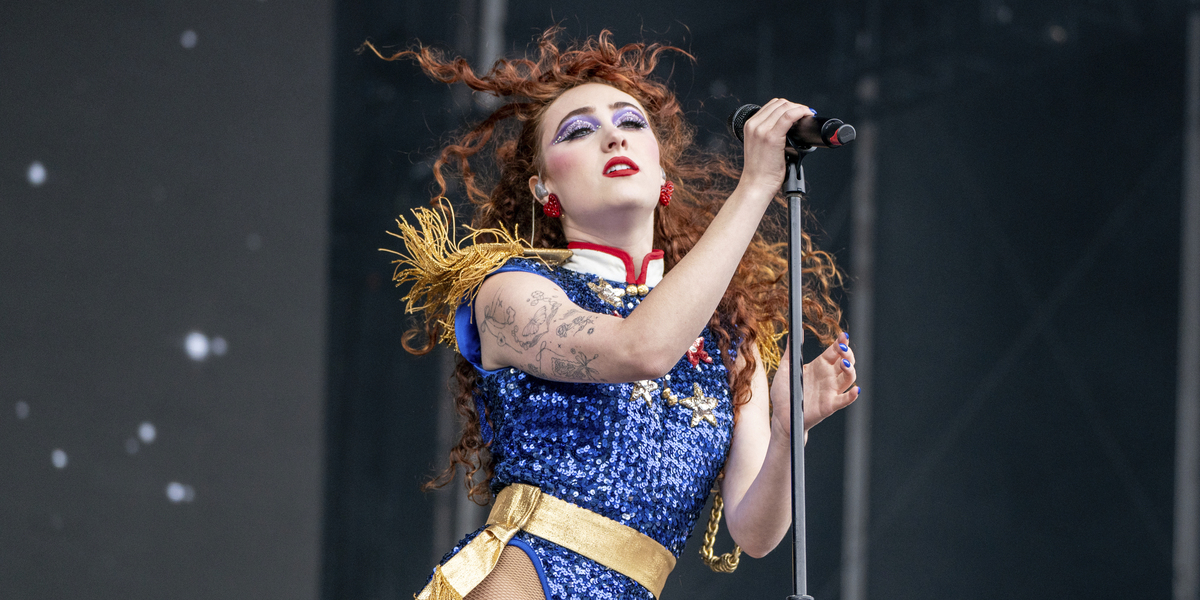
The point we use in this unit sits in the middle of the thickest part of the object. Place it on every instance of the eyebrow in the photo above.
(585, 110)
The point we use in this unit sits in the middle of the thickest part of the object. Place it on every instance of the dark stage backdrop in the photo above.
(163, 236)
(202, 390)
(1027, 250)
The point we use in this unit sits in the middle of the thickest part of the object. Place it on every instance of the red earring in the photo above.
(552, 208)
(664, 194)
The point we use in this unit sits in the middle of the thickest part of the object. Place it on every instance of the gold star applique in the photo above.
(700, 405)
(607, 292)
(644, 389)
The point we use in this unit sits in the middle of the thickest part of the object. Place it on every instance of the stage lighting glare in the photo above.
(1058, 34)
(196, 345)
(59, 458)
(179, 492)
(37, 173)
(219, 346)
(147, 432)
(22, 410)
(1004, 14)
(188, 39)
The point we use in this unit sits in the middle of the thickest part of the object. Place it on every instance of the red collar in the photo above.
(625, 258)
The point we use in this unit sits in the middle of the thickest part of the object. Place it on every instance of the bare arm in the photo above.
(650, 341)
(758, 485)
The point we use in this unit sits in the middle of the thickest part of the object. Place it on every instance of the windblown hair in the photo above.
(754, 308)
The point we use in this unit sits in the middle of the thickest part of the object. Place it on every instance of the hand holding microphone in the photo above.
(811, 131)
(780, 130)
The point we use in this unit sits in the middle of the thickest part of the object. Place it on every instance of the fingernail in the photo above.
(846, 363)
(847, 335)
(814, 111)
(857, 390)
(844, 347)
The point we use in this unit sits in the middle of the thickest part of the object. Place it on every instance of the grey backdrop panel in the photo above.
(184, 153)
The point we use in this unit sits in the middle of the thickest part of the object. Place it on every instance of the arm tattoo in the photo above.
(500, 322)
(539, 325)
(578, 368)
(497, 319)
(576, 325)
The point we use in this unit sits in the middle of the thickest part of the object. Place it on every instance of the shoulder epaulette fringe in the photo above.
(770, 352)
(445, 271)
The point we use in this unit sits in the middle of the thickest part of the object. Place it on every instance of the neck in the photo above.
(637, 240)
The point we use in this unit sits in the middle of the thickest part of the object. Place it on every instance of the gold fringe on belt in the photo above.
(521, 507)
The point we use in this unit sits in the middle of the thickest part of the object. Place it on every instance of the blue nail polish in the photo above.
(847, 335)
(846, 363)
(857, 389)
(814, 111)
(844, 347)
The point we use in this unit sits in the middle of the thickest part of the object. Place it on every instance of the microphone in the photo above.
(807, 132)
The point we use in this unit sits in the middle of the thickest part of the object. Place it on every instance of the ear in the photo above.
(533, 181)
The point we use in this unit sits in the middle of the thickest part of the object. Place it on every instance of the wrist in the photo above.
(780, 434)
(757, 189)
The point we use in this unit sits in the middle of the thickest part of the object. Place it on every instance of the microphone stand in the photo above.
(794, 191)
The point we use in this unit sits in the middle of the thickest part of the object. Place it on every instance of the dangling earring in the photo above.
(552, 208)
(664, 193)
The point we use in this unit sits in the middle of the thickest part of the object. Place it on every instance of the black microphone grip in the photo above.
(809, 131)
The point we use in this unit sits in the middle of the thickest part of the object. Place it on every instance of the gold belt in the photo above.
(522, 507)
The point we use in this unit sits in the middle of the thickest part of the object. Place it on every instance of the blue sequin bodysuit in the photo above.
(621, 450)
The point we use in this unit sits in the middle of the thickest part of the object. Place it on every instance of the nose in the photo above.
(615, 139)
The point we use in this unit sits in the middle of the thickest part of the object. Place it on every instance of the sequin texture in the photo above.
(611, 448)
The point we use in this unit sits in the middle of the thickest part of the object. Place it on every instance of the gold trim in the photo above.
(522, 507)
(446, 271)
(724, 563)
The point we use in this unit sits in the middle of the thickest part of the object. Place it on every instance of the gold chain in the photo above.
(725, 563)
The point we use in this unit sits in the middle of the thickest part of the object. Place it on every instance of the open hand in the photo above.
(828, 386)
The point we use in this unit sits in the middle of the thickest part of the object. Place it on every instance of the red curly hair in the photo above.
(754, 308)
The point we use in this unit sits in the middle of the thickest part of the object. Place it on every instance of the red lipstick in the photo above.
(630, 167)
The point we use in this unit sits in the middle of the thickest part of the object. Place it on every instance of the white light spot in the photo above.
(37, 173)
(22, 410)
(219, 346)
(254, 242)
(1058, 34)
(59, 458)
(196, 345)
(180, 492)
(147, 432)
(1004, 14)
(188, 39)
(132, 445)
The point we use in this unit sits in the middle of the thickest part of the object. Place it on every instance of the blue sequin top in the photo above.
(622, 450)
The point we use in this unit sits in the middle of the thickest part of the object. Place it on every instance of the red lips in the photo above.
(620, 160)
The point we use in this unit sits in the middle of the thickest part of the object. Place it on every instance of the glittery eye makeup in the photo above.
(629, 116)
(576, 128)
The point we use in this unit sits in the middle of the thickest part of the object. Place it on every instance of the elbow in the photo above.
(754, 542)
(755, 553)
(756, 548)
(649, 363)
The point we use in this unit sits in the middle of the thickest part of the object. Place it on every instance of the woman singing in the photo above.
(614, 361)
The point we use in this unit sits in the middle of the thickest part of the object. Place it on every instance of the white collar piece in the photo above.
(614, 264)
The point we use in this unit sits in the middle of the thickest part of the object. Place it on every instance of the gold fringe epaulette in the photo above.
(770, 352)
(445, 271)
